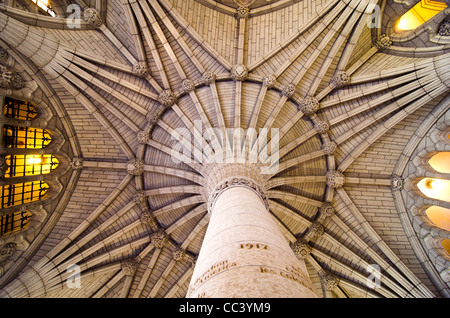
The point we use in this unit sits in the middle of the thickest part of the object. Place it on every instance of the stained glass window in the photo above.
(22, 193)
(14, 108)
(14, 222)
(28, 165)
(25, 137)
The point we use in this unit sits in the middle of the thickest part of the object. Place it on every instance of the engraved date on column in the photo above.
(249, 246)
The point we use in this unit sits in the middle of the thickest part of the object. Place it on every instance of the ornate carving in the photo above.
(10, 79)
(236, 181)
(140, 69)
(129, 267)
(209, 78)
(321, 126)
(309, 105)
(335, 179)
(167, 98)
(288, 90)
(301, 248)
(76, 163)
(329, 147)
(444, 28)
(397, 182)
(148, 218)
(3, 53)
(239, 72)
(340, 79)
(178, 253)
(8, 249)
(326, 209)
(159, 238)
(383, 42)
(315, 230)
(269, 80)
(188, 86)
(144, 135)
(140, 198)
(242, 12)
(328, 280)
(92, 16)
(135, 167)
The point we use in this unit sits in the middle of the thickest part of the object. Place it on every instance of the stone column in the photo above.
(244, 254)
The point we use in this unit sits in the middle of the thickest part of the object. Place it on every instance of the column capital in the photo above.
(237, 182)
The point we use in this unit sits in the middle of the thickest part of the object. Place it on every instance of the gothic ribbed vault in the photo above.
(137, 76)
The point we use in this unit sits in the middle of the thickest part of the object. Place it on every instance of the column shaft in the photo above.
(244, 254)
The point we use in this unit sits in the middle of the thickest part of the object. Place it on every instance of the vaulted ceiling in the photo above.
(135, 76)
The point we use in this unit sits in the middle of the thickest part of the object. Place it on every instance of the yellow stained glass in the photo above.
(22, 193)
(440, 162)
(14, 222)
(14, 108)
(439, 216)
(435, 188)
(28, 165)
(419, 14)
(25, 137)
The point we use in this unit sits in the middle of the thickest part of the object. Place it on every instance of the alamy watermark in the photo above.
(74, 278)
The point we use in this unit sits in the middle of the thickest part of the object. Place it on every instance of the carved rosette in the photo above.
(135, 167)
(92, 16)
(235, 182)
(76, 163)
(326, 209)
(301, 248)
(129, 267)
(329, 147)
(140, 69)
(178, 253)
(187, 86)
(144, 135)
(8, 249)
(309, 105)
(340, 79)
(209, 78)
(159, 238)
(444, 28)
(288, 90)
(140, 198)
(335, 179)
(321, 126)
(269, 80)
(242, 12)
(167, 98)
(239, 72)
(397, 182)
(383, 42)
(314, 231)
(10, 79)
(328, 280)
(148, 218)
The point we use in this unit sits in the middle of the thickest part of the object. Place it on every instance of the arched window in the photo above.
(440, 162)
(14, 222)
(22, 193)
(20, 143)
(19, 109)
(25, 137)
(28, 165)
(419, 14)
(435, 188)
(44, 5)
